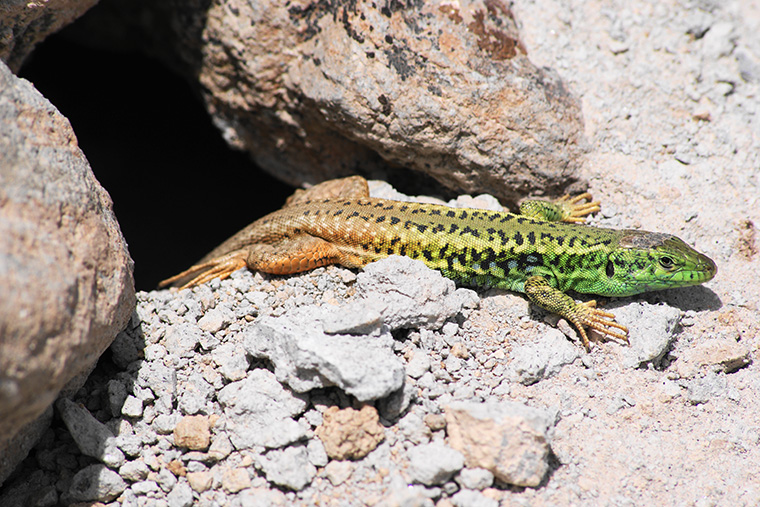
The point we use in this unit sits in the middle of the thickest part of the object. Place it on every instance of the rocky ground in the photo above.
(391, 386)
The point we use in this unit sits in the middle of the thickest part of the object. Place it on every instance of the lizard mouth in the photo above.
(706, 268)
(699, 270)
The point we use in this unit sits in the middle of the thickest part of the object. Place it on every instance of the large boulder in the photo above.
(23, 24)
(316, 90)
(65, 272)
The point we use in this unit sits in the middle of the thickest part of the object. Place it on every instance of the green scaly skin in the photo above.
(532, 252)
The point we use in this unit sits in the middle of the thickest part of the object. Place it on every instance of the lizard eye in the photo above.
(666, 262)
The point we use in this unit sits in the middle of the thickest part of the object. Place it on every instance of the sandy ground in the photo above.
(670, 100)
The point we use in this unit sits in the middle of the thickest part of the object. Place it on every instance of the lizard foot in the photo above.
(574, 211)
(587, 314)
(221, 267)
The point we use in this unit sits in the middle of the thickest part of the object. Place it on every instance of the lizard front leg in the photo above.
(564, 209)
(539, 291)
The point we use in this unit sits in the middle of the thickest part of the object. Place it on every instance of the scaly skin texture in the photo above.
(531, 252)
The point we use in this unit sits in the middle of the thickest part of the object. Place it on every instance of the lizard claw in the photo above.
(220, 268)
(598, 320)
(575, 212)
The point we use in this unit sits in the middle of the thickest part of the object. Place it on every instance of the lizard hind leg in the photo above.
(221, 267)
(288, 256)
(294, 255)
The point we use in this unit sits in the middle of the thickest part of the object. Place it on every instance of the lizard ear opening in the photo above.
(610, 269)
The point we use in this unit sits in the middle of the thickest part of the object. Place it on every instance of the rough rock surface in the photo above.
(435, 463)
(508, 439)
(305, 358)
(65, 272)
(24, 24)
(319, 90)
(349, 433)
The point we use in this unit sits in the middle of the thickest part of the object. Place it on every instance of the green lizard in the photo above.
(544, 251)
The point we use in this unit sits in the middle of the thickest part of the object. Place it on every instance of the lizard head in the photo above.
(647, 261)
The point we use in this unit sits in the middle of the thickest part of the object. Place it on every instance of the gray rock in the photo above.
(180, 496)
(143, 488)
(166, 480)
(413, 429)
(221, 447)
(702, 389)
(357, 318)
(338, 472)
(400, 492)
(419, 364)
(215, 320)
(435, 463)
(410, 294)
(475, 478)
(195, 393)
(96, 483)
(154, 352)
(133, 407)
(134, 471)
(260, 410)
(288, 467)
(181, 339)
(164, 423)
(260, 497)
(160, 379)
(65, 270)
(469, 498)
(317, 453)
(131, 445)
(91, 436)
(117, 393)
(393, 406)
(232, 362)
(652, 328)
(305, 358)
(124, 349)
(542, 359)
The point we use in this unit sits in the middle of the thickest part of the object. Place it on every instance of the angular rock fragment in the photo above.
(259, 411)
(96, 483)
(289, 467)
(305, 358)
(92, 437)
(432, 464)
(192, 432)
(349, 433)
(507, 439)
(408, 294)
